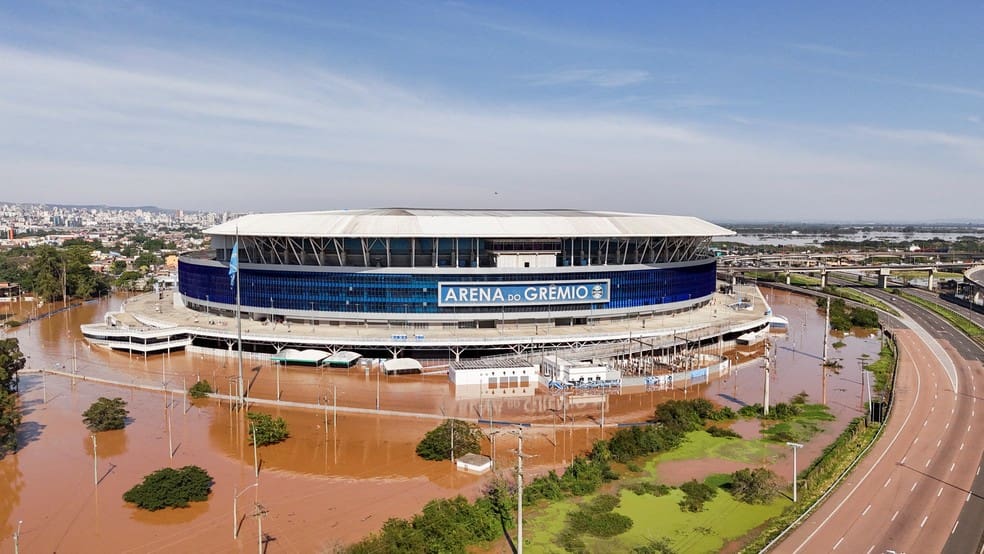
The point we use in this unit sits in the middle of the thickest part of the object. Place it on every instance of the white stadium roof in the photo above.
(426, 223)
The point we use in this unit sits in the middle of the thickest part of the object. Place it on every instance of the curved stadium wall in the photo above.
(400, 294)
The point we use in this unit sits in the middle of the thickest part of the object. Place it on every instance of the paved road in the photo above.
(908, 493)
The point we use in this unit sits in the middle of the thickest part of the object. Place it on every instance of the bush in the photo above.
(171, 488)
(645, 487)
(697, 494)
(596, 518)
(106, 414)
(544, 487)
(436, 444)
(201, 389)
(655, 546)
(268, 430)
(754, 486)
(716, 431)
(863, 317)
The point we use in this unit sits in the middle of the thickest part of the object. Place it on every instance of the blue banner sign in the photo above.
(527, 293)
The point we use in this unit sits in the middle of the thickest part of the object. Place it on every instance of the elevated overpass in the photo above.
(742, 266)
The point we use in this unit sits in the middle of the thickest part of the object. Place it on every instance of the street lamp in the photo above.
(795, 447)
(235, 508)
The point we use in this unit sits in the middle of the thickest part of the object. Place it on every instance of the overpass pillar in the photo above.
(788, 280)
(823, 279)
(931, 281)
(734, 280)
(883, 275)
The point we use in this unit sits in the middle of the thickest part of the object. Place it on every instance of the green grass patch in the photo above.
(883, 367)
(906, 275)
(800, 427)
(860, 298)
(700, 444)
(970, 328)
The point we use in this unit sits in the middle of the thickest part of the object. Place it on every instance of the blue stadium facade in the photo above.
(456, 268)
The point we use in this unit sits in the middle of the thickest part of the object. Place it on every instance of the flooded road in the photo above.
(326, 484)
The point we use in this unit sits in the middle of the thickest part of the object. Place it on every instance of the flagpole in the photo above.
(239, 324)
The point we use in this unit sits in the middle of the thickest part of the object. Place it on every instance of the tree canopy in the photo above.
(171, 488)
(437, 443)
(268, 429)
(105, 414)
(11, 361)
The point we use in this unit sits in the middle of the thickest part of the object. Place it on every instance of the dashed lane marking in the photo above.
(939, 492)
(838, 543)
(887, 482)
(866, 510)
(952, 531)
(913, 486)
(896, 514)
(923, 521)
(954, 464)
(928, 462)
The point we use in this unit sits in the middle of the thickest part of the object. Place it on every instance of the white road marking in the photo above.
(870, 548)
(947, 426)
(896, 515)
(933, 409)
(913, 486)
(938, 443)
(939, 492)
(925, 422)
(928, 462)
(953, 465)
(838, 543)
(961, 446)
(903, 460)
(952, 531)
(915, 440)
(887, 482)
(923, 522)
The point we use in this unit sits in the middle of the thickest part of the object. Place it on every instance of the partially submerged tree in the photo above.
(268, 430)
(106, 414)
(437, 443)
(171, 488)
(11, 361)
(754, 486)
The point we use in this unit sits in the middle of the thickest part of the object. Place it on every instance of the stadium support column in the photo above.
(823, 279)
(788, 278)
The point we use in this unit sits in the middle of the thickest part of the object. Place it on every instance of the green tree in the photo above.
(46, 273)
(268, 430)
(171, 488)
(696, 494)
(200, 389)
(437, 443)
(11, 361)
(754, 486)
(119, 266)
(106, 414)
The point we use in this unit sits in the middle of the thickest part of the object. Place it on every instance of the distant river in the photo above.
(759, 239)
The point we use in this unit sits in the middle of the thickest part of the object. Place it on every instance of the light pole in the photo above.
(235, 508)
(256, 459)
(795, 447)
(17, 537)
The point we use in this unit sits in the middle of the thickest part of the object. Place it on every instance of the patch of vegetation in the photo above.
(444, 525)
(839, 344)
(451, 439)
(655, 546)
(883, 367)
(648, 487)
(695, 495)
(596, 518)
(266, 429)
(716, 431)
(11, 361)
(754, 486)
(171, 488)
(201, 389)
(843, 318)
(106, 414)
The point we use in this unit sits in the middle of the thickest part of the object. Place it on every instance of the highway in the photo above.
(919, 489)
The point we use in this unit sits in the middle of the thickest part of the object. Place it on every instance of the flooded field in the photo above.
(326, 484)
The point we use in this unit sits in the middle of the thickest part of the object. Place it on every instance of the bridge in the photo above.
(806, 264)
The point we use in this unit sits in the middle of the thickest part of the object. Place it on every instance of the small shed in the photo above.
(474, 463)
(402, 365)
(342, 359)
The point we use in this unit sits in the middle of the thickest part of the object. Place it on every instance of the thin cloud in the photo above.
(826, 49)
(606, 78)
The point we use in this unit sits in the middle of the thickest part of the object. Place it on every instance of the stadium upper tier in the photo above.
(420, 238)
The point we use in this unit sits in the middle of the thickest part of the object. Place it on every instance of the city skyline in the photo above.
(838, 112)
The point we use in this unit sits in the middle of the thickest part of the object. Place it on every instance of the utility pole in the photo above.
(823, 367)
(17, 537)
(256, 458)
(235, 508)
(768, 363)
(795, 447)
(258, 514)
(451, 422)
(95, 462)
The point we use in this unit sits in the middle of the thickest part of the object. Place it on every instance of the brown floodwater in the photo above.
(325, 485)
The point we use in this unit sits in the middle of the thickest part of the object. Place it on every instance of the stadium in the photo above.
(428, 283)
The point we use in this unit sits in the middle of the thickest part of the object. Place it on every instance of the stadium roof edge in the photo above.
(414, 223)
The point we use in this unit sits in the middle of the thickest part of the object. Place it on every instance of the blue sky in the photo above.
(728, 111)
